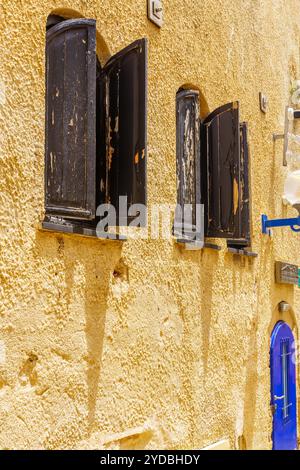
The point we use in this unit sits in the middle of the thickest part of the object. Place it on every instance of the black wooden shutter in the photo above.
(245, 185)
(220, 157)
(70, 167)
(125, 82)
(188, 160)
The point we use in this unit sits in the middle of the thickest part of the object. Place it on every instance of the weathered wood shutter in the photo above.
(221, 188)
(70, 169)
(245, 186)
(244, 235)
(188, 161)
(125, 84)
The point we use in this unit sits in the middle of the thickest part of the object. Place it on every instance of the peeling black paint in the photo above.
(95, 124)
(188, 154)
(70, 167)
(221, 165)
(125, 79)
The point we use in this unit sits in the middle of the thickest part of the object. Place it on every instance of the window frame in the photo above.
(70, 221)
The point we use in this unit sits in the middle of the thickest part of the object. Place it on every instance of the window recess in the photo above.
(95, 127)
(225, 178)
(212, 170)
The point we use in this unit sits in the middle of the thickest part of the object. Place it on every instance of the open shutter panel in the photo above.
(244, 235)
(188, 160)
(221, 162)
(245, 184)
(125, 79)
(70, 172)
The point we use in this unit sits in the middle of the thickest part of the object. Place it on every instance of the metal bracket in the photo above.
(263, 101)
(155, 12)
(268, 224)
(285, 136)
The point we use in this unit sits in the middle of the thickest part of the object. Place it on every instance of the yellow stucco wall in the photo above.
(141, 344)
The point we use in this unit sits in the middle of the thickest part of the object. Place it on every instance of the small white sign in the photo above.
(155, 12)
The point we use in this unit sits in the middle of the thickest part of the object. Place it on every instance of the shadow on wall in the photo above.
(208, 260)
(75, 276)
(251, 364)
(209, 265)
(251, 382)
(78, 276)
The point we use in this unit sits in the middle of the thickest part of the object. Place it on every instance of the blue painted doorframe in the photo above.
(283, 388)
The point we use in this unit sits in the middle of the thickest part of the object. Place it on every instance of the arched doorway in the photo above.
(283, 387)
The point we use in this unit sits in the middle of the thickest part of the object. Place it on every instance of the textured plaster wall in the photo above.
(143, 345)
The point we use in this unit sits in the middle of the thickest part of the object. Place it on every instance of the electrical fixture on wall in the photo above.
(291, 159)
(263, 102)
(284, 307)
(155, 12)
(292, 114)
(288, 136)
(291, 197)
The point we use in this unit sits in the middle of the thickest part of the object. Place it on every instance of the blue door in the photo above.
(283, 388)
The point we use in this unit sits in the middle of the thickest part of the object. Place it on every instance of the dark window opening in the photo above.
(221, 179)
(95, 127)
(53, 20)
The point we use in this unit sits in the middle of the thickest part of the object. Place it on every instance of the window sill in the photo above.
(190, 245)
(197, 245)
(242, 252)
(81, 230)
(212, 246)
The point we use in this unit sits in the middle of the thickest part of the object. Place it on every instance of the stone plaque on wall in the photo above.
(286, 273)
